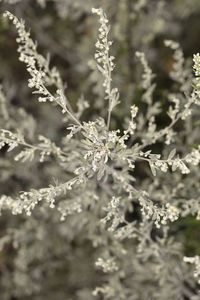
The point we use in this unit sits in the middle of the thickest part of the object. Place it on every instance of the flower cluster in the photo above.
(196, 261)
(108, 265)
(38, 68)
(105, 60)
(45, 147)
(160, 215)
(147, 76)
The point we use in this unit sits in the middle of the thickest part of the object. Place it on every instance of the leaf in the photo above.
(171, 154)
(170, 113)
(100, 69)
(12, 146)
(153, 169)
(101, 172)
(196, 146)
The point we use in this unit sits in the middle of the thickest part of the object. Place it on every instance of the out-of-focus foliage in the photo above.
(110, 201)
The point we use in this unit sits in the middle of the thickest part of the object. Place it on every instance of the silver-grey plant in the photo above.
(97, 186)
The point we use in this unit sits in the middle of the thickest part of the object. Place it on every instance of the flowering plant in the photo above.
(97, 192)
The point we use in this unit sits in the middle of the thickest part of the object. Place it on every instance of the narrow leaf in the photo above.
(171, 154)
(153, 169)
